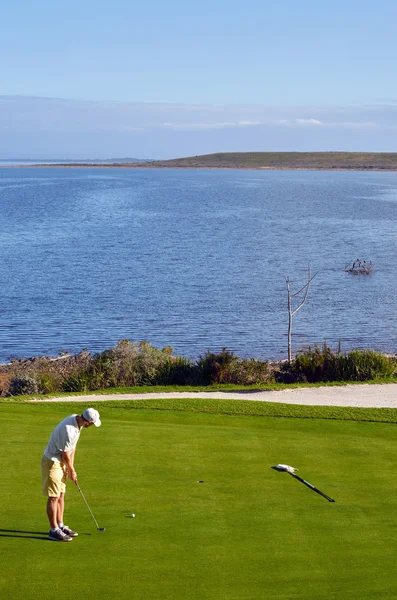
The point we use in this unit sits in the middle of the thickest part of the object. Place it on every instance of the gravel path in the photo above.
(364, 396)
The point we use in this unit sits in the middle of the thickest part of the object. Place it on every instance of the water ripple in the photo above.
(194, 259)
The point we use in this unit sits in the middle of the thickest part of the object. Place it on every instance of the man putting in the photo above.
(57, 464)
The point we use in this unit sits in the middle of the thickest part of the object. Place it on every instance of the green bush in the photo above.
(25, 384)
(78, 382)
(225, 367)
(178, 371)
(212, 366)
(247, 371)
(130, 364)
(50, 382)
(363, 365)
(126, 364)
(323, 364)
(44, 374)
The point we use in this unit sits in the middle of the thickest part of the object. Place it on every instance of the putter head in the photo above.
(286, 468)
(101, 528)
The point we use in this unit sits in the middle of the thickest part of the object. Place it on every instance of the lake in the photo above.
(195, 259)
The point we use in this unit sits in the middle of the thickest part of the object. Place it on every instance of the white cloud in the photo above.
(248, 123)
(223, 125)
(308, 122)
(165, 130)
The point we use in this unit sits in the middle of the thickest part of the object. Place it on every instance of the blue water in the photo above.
(194, 259)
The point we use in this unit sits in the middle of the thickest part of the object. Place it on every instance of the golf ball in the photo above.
(133, 515)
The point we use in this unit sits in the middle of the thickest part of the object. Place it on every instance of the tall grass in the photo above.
(323, 364)
(225, 367)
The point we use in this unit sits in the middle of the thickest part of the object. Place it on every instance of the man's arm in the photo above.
(68, 461)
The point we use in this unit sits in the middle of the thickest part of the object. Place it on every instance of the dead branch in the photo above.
(291, 311)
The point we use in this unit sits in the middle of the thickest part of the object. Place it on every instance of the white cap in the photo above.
(92, 416)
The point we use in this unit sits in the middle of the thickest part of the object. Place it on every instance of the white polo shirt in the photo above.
(64, 437)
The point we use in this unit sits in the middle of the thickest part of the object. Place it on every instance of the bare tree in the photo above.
(291, 311)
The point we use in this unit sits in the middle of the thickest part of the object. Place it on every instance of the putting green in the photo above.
(247, 532)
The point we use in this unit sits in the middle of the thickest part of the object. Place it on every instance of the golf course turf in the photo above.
(246, 532)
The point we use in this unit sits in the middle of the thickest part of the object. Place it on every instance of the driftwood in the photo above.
(360, 268)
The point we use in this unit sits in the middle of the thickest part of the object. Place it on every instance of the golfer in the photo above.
(57, 464)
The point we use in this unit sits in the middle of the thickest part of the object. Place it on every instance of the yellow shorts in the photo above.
(53, 476)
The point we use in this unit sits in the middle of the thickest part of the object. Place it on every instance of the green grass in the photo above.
(246, 533)
(241, 408)
(146, 389)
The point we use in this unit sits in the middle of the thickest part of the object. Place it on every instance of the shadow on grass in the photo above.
(33, 535)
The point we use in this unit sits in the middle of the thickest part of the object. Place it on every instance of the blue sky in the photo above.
(165, 79)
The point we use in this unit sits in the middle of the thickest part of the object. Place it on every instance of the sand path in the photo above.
(364, 396)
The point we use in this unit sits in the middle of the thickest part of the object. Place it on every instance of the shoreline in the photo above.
(197, 167)
(255, 161)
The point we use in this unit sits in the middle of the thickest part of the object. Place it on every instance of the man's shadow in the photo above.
(33, 535)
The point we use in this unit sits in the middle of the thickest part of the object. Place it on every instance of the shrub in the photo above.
(150, 361)
(323, 364)
(50, 382)
(212, 366)
(247, 371)
(49, 374)
(225, 367)
(126, 364)
(78, 382)
(24, 385)
(178, 371)
(5, 380)
(363, 365)
(139, 363)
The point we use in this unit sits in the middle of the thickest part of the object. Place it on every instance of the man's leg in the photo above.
(52, 511)
(56, 534)
(54, 488)
(61, 508)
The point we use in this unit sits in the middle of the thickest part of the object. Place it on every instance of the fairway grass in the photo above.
(246, 533)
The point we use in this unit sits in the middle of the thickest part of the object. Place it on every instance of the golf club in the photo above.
(96, 522)
(291, 471)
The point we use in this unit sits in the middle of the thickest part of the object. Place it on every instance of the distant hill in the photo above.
(353, 161)
(285, 160)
